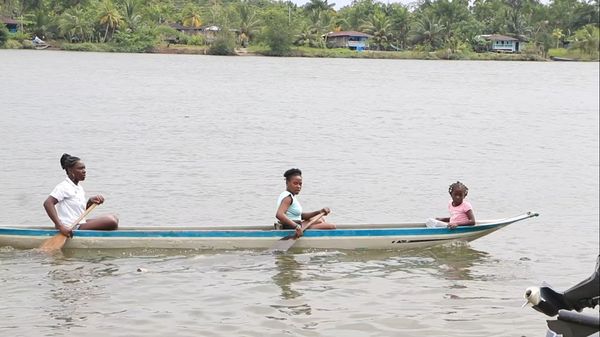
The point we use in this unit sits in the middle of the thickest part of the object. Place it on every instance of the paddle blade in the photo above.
(54, 244)
(284, 244)
(58, 241)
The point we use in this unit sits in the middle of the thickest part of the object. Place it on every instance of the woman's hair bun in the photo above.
(66, 161)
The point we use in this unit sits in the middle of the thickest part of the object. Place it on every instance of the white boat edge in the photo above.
(346, 236)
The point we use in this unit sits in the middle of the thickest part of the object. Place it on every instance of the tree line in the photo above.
(426, 25)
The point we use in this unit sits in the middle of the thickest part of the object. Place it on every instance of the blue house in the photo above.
(501, 43)
(11, 24)
(348, 39)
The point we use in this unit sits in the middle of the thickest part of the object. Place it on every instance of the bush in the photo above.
(531, 49)
(13, 44)
(480, 45)
(194, 40)
(278, 33)
(87, 46)
(4, 34)
(27, 44)
(20, 36)
(557, 52)
(224, 44)
(141, 41)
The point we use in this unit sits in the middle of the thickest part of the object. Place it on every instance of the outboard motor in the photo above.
(585, 294)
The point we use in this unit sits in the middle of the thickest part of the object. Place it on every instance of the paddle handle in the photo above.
(313, 220)
(82, 216)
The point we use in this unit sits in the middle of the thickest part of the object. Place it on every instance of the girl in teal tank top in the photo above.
(289, 211)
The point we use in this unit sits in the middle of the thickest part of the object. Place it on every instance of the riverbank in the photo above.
(260, 50)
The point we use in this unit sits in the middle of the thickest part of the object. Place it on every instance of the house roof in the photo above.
(498, 37)
(211, 28)
(348, 33)
(178, 26)
(8, 21)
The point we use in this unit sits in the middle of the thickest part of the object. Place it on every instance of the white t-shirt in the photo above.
(71, 201)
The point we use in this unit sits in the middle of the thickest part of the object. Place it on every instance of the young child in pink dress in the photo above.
(461, 211)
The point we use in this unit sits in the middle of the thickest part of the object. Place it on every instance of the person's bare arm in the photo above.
(471, 221)
(310, 215)
(51, 211)
(283, 219)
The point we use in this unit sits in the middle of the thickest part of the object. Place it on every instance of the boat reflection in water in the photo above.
(453, 261)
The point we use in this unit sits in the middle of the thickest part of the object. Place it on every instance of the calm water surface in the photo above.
(196, 140)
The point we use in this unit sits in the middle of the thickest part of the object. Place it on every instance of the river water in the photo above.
(199, 140)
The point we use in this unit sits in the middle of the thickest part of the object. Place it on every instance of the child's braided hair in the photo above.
(456, 185)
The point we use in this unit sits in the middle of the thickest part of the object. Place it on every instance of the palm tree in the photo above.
(249, 22)
(319, 5)
(320, 21)
(40, 22)
(131, 17)
(71, 24)
(516, 23)
(378, 25)
(558, 35)
(308, 37)
(428, 31)
(109, 17)
(192, 16)
(77, 24)
(159, 12)
(588, 39)
(399, 18)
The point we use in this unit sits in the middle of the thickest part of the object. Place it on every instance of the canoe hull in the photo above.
(388, 236)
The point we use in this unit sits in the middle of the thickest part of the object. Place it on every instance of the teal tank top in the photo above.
(294, 212)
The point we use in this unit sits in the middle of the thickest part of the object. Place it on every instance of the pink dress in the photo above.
(458, 214)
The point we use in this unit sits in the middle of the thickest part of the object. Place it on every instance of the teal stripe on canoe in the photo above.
(251, 233)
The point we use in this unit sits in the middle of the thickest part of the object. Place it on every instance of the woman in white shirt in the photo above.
(289, 211)
(67, 201)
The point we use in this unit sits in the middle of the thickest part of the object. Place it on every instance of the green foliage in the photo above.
(571, 53)
(455, 45)
(379, 26)
(191, 16)
(309, 37)
(434, 26)
(4, 34)
(319, 5)
(224, 44)
(21, 36)
(249, 23)
(480, 45)
(88, 46)
(278, 33)
(428, 32)
(141, 41)
(13, 44)
(558, 52)
(587, 39)
(165, 30)
(77, 24)
(109, 17)
(27, 44)
(196, 40)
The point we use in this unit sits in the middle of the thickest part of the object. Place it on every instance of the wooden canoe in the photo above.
(346, 236)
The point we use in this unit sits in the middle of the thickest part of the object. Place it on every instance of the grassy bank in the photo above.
(401, 55)
(165, 48)
(573, 54)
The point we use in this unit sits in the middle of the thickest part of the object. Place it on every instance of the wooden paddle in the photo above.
(58, 241)
(287, 242)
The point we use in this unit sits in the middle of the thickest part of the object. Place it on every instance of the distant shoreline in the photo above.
(323, 53)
